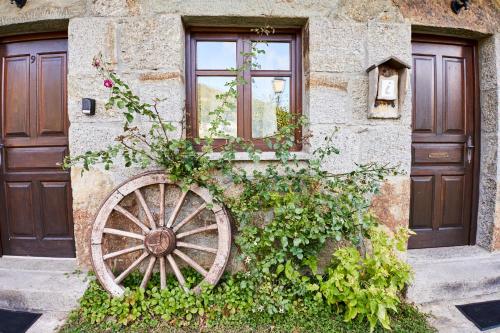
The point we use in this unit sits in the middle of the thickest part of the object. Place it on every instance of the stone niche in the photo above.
(387, 86)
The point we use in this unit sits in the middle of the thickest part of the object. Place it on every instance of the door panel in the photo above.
(453, 108)
(52, 99)
(443, 129)
(432, 154)
(453, 201)
(17, 108)
(422, 204)
(19, 220)
(423, 81)
(55, 216)
(17, 159)
(35, 191)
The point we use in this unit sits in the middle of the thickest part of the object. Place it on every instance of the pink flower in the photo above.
(96, 63)
(108, 83)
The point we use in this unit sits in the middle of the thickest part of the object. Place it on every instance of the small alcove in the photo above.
(387, 86)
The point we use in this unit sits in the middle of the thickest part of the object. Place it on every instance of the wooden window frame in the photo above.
(244, 100)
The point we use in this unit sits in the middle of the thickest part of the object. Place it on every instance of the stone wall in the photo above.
(488, 234)
(147, 48)
(144, 39)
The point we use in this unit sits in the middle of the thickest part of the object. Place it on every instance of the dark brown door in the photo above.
(35, 199)
(443, 156)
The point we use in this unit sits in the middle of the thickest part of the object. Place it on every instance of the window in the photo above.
(273, 83)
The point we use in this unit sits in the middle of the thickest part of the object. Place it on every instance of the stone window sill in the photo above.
(264, 156)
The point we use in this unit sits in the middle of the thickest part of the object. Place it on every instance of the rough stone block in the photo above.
(490, 110)
(362, 11)
(336, 46)
(167, 87)
(489, 156)
(49, 289)
(486, 210)
(388, 39)
(86, 38)
(489, 62)
(392, 204)
(84, 137)
(302, 8)
(152, 43)
(328, 99)
(115, 8)
(89, 86)
(385, 144)
(89, 190)
(40, 10)
(344, 139)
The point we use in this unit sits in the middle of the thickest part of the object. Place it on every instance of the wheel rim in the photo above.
(161, 241)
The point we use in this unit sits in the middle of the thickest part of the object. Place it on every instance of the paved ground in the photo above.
(445, 277)
(453, 273)
(49, 286)
(49, 322)
(447, 319)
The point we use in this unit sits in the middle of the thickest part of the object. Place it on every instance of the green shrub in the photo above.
(356, 285)
(368, 286)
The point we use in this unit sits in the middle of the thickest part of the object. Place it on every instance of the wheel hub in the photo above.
(160, 242)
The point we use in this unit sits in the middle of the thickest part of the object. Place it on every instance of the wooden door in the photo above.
(444, 142)
(35, 199)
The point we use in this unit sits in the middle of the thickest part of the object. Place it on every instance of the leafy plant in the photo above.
(368, 285)
(285, 214)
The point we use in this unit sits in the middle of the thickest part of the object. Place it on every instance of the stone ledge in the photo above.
(264, 156)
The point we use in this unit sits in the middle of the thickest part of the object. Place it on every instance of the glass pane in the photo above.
(215, 55)
(270, 105)
(207, 88)
(276, 56)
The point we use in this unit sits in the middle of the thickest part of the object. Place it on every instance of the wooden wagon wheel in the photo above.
(161, 238)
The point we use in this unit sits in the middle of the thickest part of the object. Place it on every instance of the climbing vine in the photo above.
(287, 212)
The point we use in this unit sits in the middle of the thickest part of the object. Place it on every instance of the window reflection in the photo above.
(215, 55)
(275, 56)
(270, 105)
(208, 87)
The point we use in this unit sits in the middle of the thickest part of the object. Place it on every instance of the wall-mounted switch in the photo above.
(88, 106)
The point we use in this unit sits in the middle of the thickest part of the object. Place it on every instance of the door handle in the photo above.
(470, 148)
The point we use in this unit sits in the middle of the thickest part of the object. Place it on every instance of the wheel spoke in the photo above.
(122, 233)
(161, 222)
(124, 251)
(149, 271)
(196, 231)
(190, 217)
(126, 272)
(191, 262)
(197, 247)
(131, 217)
(176, 210)
(163, 275)
(145, 207)
(177, 271)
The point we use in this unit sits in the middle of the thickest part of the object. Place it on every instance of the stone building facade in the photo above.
(145, 41)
